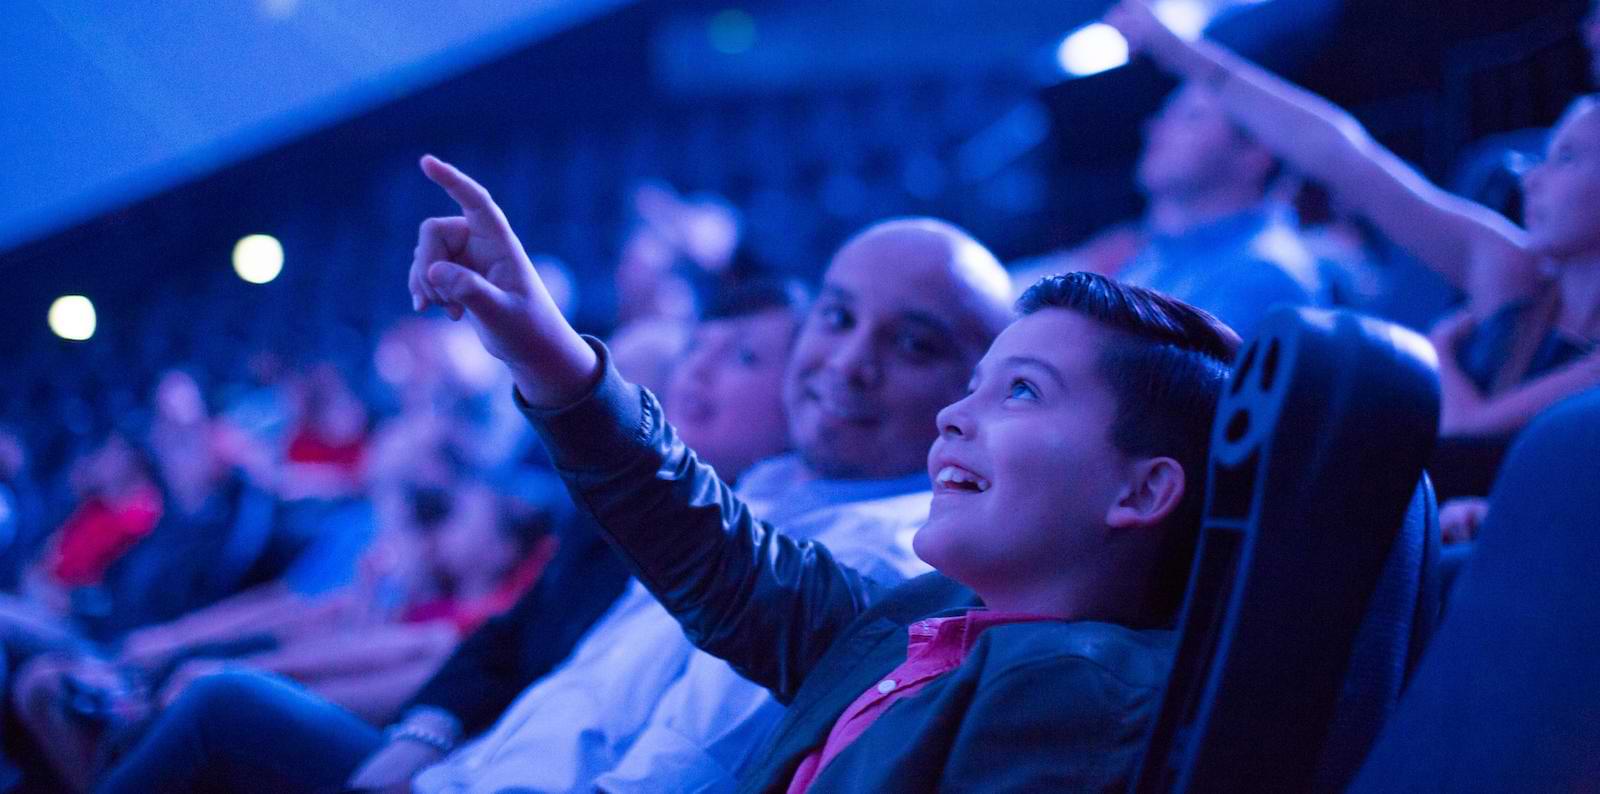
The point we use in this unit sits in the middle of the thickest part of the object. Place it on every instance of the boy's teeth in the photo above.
(951, 474)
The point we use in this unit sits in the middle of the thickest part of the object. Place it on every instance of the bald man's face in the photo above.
(891, 339)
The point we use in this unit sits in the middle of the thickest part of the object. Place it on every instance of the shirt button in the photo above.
(886, 686)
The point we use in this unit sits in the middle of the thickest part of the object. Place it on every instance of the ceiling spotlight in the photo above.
(258, 258)
(1092, 49)
(72, 317)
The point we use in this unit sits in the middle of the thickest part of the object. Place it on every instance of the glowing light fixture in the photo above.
(258, 258)
(1092, 49)
(1187, 18)
(72, 317)
(1098, 47)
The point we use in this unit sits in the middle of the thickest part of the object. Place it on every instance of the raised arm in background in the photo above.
(1475, 248)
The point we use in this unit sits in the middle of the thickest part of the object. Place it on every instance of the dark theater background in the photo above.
(208, 212)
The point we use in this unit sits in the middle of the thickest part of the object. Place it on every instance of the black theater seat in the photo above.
(1508, 695)
(1315, 585)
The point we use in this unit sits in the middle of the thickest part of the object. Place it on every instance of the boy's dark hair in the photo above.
(1166, 365)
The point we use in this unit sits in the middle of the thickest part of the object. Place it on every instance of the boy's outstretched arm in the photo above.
(473, 266)
(766, 603)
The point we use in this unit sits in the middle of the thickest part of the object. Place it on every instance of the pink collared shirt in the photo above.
(934, 646)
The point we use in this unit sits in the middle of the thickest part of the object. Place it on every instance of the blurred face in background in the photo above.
(109, 469)
(1562, 194)
(647, 288)
(331, 408)
(178, 399)
(1191, 149)
(725, 396)
(467, 543)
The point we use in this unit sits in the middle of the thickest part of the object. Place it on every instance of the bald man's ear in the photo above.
(1152, 492)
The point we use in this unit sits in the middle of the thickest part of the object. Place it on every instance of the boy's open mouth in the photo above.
(956, 478)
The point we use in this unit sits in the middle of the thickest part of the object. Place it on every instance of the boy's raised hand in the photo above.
(472, 265)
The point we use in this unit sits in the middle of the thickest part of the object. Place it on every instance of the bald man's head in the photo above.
(906, 309)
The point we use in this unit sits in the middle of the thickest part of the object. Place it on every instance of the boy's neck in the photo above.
(1082, 599)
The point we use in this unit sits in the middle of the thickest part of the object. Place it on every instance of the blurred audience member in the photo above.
(648, 350)
(1213, 239)
(326, 451)
(119, 504)
(675, 245)
(259, 406)
(1527, 336)
(1210, 235)
(677, 250)
(724, 392)
(484, 552)
(1491, 170)
(219, 524)
(728, 392)
(481, 551)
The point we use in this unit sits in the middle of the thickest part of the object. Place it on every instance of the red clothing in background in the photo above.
(308, 447)
(100, 532)
(469, 615)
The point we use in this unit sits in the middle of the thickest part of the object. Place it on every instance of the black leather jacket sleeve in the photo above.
(766, 603)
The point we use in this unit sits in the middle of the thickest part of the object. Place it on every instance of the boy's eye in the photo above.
(1022, 390)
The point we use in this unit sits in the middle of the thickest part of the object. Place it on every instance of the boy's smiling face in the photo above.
(1024, 471)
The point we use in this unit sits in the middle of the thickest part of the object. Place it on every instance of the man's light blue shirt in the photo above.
(636, 707)
(1236, 267)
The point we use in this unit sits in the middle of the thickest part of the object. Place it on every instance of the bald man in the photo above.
(906, 309)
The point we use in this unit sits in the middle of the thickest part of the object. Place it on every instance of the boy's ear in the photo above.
(1154, 488)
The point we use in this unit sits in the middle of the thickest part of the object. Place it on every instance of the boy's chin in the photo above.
(935, 545)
